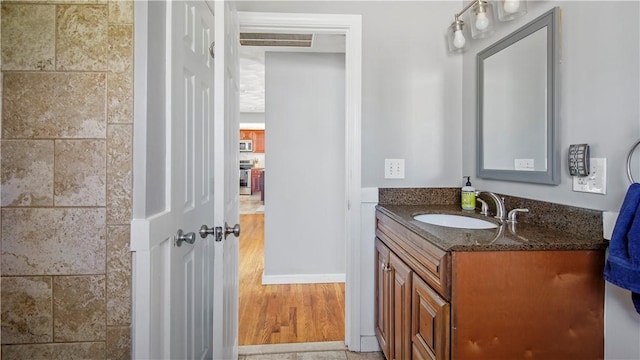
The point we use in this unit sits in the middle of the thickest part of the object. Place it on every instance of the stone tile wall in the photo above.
(65, 171)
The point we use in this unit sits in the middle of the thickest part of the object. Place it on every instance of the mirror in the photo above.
(517, 91)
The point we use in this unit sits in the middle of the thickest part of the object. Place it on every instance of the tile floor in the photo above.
(316, 355)
(251, 204)
(328, 350)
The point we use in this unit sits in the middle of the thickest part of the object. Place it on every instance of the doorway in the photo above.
(350, 26)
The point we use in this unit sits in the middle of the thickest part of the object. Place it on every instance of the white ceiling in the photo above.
(252, 67)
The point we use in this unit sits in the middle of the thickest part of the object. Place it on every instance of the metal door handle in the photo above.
(217, 231)
(182, 237)
(235, 230)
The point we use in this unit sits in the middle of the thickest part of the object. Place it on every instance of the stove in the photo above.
(245, 176)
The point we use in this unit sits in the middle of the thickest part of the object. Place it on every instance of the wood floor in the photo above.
(278, 314)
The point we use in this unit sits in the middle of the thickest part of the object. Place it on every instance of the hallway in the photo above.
(289, 313)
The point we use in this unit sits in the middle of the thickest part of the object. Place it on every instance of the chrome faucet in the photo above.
(513, 215)
(500, 209)
(484, 207)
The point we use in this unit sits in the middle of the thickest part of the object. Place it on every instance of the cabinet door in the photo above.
(255, 180)
(382, 316)
(246, 135)
(400, 305)
(430, 323)
(258, 141)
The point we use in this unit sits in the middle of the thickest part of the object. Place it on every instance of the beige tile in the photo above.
(81, 37)
(118, 275)
(86, 350)
(119, 174)
(52, 241)
(324, 355)
(121, 48)
(57, 1)
(26, 310)
(120, 77)
(79, 308)
(80, 173)
(26, 173)
(54, 105)
(120, 98)
(28, 41)
(118, 342)
(121, 11)
(287, 356)
(365, 356)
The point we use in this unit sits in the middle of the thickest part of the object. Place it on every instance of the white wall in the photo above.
(304, 183)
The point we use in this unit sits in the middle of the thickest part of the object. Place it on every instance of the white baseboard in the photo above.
(369, 343)
(302, 279)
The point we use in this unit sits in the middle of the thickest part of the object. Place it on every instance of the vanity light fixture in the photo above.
(482, 21)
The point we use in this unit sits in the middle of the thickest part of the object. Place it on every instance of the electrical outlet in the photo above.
(524, 164)
(596, 181)
(394, 168)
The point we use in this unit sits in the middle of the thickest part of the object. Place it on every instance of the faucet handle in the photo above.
(484, 209)
(513, 215)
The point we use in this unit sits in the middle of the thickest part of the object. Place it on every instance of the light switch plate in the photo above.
(394, 168)
(596, 181)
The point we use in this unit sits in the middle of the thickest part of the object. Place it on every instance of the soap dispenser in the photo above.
(468, 198)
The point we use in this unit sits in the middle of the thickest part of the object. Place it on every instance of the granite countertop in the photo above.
(520, 236)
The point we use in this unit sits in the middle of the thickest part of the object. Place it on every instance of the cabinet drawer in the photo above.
(429, 262)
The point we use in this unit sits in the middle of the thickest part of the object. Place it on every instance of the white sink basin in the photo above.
(455, 221)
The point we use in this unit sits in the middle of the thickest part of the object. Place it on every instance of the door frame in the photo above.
(351, 27)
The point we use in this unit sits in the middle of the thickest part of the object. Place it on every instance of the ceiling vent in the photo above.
(267, 39)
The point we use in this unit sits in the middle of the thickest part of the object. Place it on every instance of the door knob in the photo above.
(217, 231)
(182, 237)
(235, 230)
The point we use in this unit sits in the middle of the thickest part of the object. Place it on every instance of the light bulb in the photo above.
(458, 39)
(511, 6)
(482, 22)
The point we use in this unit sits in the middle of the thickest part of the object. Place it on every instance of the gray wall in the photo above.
(599, 105)
(411, 93)
(252, 117)
(598, 97)
(304, 186)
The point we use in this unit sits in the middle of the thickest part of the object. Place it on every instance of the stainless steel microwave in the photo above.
(246, 145)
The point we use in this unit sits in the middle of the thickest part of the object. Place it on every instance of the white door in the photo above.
(227, 182)
(191, 108)
(182, 295)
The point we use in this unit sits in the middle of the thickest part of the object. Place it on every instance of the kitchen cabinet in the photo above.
(256, 174)
(258, 141)
(256, 136)
(485, 304)
(246, 134)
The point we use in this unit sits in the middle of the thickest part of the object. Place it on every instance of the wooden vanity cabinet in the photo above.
(430, 319)
(432, 304)
(393, 300)
(383, 298)
(412, 319)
